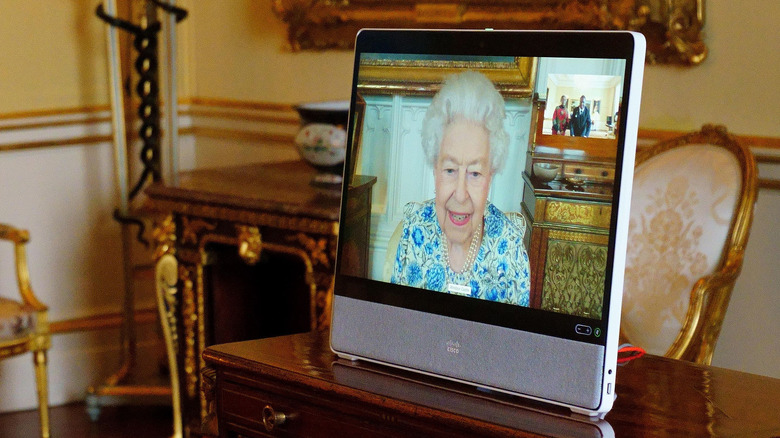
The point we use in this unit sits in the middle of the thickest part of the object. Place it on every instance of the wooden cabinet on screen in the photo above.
(568, 203)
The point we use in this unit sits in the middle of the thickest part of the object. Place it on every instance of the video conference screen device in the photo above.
(503, 163)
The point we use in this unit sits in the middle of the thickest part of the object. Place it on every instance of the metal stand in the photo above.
(124, 382)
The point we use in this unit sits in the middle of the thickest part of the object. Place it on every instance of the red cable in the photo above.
(629, 353)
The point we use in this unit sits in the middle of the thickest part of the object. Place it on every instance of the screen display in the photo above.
(494, 183)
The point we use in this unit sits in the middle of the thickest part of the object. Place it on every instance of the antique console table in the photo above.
(294, 386)
(246, 252)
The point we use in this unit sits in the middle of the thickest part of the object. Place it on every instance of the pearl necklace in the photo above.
(464, 275)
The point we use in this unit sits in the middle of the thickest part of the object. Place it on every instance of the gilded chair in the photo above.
(691, 212)
(24, 325)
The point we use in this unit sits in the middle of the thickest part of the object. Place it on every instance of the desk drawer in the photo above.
(243, 410)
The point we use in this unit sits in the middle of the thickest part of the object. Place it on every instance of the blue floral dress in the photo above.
(500, 272)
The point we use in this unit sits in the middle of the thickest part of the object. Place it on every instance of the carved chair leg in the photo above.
(41, 379)
(166, 277)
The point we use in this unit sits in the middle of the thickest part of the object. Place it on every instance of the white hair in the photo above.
(471, 96)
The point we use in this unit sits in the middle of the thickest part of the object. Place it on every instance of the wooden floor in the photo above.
(71, 421)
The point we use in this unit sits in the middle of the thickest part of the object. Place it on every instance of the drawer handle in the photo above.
(271, 418)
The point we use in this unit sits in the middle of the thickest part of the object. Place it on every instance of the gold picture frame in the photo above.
(513, 78)
(673, 28)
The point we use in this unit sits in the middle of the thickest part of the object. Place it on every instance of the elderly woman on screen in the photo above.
(459, 242)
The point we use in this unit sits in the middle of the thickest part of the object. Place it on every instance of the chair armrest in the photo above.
(709, 298)
(13, 234)
(20, 238)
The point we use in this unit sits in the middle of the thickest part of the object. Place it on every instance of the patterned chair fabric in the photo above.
(680, 216)
(16, 320)
(691, 210)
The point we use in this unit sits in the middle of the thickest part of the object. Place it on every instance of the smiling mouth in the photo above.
(459, 219)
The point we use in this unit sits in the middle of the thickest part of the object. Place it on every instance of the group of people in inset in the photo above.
(578, 124)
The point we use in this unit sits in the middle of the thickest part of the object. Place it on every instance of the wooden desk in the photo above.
(323, 396)
(234, 238)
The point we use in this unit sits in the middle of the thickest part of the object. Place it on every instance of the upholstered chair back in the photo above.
(691, 210)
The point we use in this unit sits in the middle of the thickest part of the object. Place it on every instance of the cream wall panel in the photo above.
(76, 361)
(749, 339)
(733, 86)
(220, 152)
(53, 55)
(65, 197)
(239, 51)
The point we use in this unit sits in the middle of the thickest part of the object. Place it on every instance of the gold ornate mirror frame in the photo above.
(381, 76)
(673, 28)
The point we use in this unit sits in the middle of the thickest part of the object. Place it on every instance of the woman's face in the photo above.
(463, 176)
